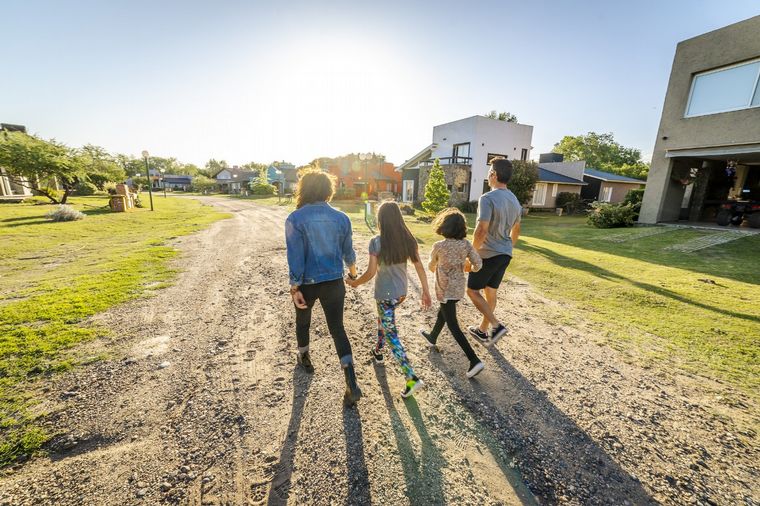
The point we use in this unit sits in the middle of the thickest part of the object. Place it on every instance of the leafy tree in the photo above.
(502, 116)
(213, 167)
(188, 169)
(602, 152)
(203, 184)
(99, 166)
(524, 177)
(254, 166)
(437, 195)
(32, 162)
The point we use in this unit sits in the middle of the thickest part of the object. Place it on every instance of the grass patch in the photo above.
(55, 275)
(697, 311)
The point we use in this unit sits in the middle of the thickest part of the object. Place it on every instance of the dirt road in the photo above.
(203, 404)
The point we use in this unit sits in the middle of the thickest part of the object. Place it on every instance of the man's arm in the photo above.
(479, 237)
(514, 234)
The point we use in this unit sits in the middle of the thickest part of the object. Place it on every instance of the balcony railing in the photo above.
(448, 160)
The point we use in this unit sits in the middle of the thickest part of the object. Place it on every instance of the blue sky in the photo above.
(259, 81)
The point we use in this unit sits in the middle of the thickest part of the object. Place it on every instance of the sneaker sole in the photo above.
(478, 338)
(416, 387)
(475, 370)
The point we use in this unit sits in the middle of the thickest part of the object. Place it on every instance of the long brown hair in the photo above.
(314, 186)
(397, 244)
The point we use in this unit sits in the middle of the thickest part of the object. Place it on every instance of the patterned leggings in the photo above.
(386, 329)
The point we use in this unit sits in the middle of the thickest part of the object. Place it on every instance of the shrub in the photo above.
(65, 213)
(138, 202)
(407, 209)
(634, 197)
(468, 207)
(259, 188)
(568, 201)
(85, 188)
(603, 215)
(345, 194)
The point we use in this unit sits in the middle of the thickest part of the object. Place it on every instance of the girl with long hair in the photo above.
(388, 255)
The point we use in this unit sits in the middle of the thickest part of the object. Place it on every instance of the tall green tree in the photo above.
(523, 181)
(213, 167)
(602, 152)
(437, 194)
(32, 162)
(99, 166)
(502, 116)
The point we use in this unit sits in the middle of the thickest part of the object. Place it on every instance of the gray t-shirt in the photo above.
(390, 282)
(501, 208)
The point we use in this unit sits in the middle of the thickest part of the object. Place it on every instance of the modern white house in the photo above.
(464, 148)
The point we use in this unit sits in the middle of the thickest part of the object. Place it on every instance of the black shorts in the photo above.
(490, 274)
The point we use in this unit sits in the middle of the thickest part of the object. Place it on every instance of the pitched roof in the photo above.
(608, 176)
(547, 176)
(424, 154)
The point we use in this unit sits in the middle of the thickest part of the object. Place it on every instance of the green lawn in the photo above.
(699, 311)
(57, 274)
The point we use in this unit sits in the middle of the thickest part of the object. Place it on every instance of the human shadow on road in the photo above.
(358, 476)
(424, 478)
(556, 457)
(279, 490)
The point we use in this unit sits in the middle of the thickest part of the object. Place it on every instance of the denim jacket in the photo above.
(318, 239)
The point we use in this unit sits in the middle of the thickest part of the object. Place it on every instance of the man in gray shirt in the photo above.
(496, 232)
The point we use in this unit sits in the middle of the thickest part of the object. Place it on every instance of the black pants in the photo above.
(448, 314)
(331, 295)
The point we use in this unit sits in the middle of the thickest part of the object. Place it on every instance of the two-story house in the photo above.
(464, 148)
(707, 150)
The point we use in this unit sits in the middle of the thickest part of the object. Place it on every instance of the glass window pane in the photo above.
(723, 90)
(756, 100)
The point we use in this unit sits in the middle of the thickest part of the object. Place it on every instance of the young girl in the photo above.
(447, 260)
(388, 254)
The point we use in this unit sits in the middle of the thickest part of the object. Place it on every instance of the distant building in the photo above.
(464, 148)
(373, 176)
(13, 188)
(234, 180)
(708, 145)
(283, 175)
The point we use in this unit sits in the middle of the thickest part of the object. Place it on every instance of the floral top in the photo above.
(447, 260)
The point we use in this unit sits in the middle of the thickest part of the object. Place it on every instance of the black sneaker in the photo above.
(478, 334)
(305, 360)
(496, 334)
(377, 354)
(412, 385)
(475, 369)
(429, 339)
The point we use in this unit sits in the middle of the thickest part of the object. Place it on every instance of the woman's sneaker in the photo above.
(475, 369)
(479, 335)
(377, 354)
(431, 343)
(411, 386)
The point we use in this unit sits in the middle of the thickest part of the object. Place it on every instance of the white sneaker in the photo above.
(474, 370)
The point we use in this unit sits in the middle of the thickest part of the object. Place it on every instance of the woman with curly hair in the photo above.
(319, 244)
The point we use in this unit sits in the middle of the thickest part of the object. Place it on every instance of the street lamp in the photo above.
(147, 173)
(163, 181)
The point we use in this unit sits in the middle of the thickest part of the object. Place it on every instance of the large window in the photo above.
(727, 89)
(461, 151)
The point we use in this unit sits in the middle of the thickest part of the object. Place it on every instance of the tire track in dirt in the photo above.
(232, 420)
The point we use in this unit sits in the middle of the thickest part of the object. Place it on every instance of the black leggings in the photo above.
(331, 295)
(448, 314)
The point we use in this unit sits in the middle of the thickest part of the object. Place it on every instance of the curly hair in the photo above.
(451, 224)
(314, 186)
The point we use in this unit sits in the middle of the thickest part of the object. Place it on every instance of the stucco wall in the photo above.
(732, 44)
(551, 194)
(619, 190)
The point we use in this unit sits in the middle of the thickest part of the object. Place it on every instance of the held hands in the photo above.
(352, 282)
(467, 265)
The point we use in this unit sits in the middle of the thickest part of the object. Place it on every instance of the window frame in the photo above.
(536, 193)
(722, 69)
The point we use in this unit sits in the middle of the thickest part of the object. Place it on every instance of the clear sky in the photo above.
(261, 81)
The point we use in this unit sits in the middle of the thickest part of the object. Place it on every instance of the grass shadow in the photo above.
(600, 272)
(424, 476)
(553, 454)
(279, 489)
